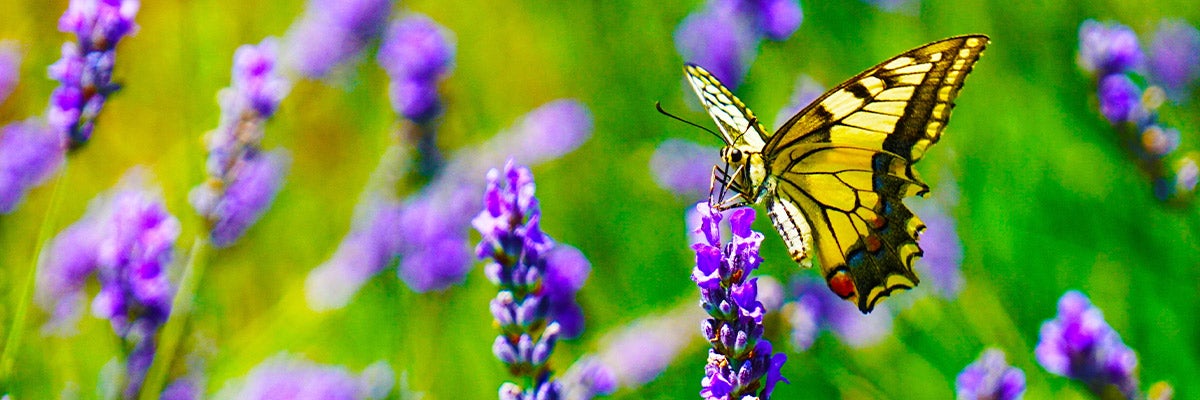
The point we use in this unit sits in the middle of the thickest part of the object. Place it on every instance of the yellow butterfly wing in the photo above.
(845, 163)
(738, 125)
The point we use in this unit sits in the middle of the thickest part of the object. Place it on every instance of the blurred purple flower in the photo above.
(741, 362)
(533, 284)
(428, 231)
(10, 68)
(990, 378)
(642, 350)
(587, 378)
(719, 39)
(778, 19)
(286, 376)
(941, 263)
(1108, 48)
(85, 70)
(249, 195)
(29, 154)
(243, 179)
(1120, 98)
(416, 53)
(127, 239)
(1174, 58)
(1079, 344)
(332, 32)
(807, 90)
(816, 308)
(684, 167)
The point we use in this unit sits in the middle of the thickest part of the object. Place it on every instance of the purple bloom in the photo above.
(1079, 344)
(417, 53)
(719, 39)
(29, 153)
(430, 235)
(990, 378)
(243, 179)
(807, 90)
(941, 263)
(85, 70)
(1108, 48)
(1174, 58)
(639, 352)
(537, 281)
(816, 308)
(247, 196)
(1119, 98)
(332, 32)
(741, 362)
(779, 18)
(684, 167)
(286, 376)
(127, 239)
(10, 68)
(587, 378)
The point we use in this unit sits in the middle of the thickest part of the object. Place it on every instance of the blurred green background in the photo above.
(1050, 201)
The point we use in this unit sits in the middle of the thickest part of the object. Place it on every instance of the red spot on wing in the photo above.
(878, 222)
(841, 284)
(873, 243)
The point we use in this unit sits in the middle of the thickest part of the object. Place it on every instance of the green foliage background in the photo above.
(1050, 201)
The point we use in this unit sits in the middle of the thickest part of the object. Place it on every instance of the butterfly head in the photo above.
(744, 173)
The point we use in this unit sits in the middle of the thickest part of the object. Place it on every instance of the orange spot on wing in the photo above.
(841, 284)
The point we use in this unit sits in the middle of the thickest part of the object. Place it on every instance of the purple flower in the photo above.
(779, 18)
(642, 350)
(246, 197)
(1079, 344)
(286, 376)
(1108, 48)
(29, 153)
(243, 179)
(332, 32)
(416, 53)
(807, 89)
(428, 231)
(587, 378)
(1119, 98)
(990, 378)
(941, 263)
(741, 362)
(85, 70)
(537, 281)
(1174, 58)
(10, 68)
(816, 308)
(719, 39)
(127, 240)
(684, 167)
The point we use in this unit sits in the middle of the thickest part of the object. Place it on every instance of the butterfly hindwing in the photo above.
(736, 122)
(846, 162)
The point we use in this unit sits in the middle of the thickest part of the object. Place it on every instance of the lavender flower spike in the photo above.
(1174, 58)
(416, 53)
(725, 34)
(1108, 48)
(85, 70)
(332, 32)
(530, 283)
(1079, 344)
(990, 378)
(243, 179)
(286, 376)
(29, 154)
(127, 240)
(741, 362)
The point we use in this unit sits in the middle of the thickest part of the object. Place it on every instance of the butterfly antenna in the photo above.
(658, 106)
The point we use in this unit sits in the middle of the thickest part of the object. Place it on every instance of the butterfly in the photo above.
(834, 176)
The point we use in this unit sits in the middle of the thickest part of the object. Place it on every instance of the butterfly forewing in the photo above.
(846, 161)
(737, 123)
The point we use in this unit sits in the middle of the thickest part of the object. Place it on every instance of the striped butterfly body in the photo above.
(834, 176)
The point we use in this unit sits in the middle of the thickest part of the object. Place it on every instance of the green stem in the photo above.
(172, 332)
(18, 325)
